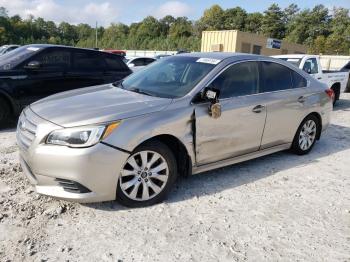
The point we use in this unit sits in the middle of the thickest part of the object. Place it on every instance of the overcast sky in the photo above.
(128, 11)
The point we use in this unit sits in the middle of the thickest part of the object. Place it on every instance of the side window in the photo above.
(88, 61)
(149, 61)
(298, 80)
(276, 77)
(54, 58)
(115, 63)
(238, 80)
(310, 66)
(138, 62)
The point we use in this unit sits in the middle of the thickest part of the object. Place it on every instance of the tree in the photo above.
(212, 18)
(150, 27)
(235, 18)
(166, 22)
(253, 23)
(319, 45)
(321, 30)
(3, 12)
(181, 28)
(273, 22)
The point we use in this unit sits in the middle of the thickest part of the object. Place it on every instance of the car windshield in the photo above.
(293, 61)
(170, 77)
(11, 59)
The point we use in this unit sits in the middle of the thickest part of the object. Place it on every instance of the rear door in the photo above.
(239, 129)
(284, 92)
(87, 69)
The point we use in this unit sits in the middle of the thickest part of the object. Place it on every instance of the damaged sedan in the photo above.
(182, 115)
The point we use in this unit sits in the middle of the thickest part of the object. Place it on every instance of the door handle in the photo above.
(258, 109)
(319, 78)
(302, 99)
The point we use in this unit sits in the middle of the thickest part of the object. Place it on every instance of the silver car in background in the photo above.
(182, 115)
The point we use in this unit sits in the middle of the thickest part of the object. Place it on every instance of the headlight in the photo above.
(80, 136)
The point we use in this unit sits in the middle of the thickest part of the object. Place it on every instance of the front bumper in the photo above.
(83, 175)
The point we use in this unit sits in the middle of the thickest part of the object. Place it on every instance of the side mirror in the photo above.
(33, 65)
(212, 95)
(131, 65)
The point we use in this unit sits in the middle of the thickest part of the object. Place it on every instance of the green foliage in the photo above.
(322, 30)
(273, 22)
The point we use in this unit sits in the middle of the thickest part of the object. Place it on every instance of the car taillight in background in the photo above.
(330, 93)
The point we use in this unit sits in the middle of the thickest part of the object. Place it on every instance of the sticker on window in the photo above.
(34, 49)
(208, 61)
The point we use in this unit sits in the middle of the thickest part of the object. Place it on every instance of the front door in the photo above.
(47, 80)
(240, 128)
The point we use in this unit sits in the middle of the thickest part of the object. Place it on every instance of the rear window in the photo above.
(115, 63)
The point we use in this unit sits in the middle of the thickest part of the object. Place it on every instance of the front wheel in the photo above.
(306, 135)
(147, 176)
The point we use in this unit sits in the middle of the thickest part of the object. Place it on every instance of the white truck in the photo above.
(336, 80)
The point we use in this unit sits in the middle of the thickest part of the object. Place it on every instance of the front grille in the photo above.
(26, 129)
(72, 186)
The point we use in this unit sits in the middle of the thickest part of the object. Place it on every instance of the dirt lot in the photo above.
(277, 208)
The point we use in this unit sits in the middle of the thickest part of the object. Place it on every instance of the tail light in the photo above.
(330, 93)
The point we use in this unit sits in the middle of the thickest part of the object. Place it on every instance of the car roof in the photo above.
(134, 57)
(226, 55)
(297, 56)
(42, 46)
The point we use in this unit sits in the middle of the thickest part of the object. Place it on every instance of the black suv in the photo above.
(32, 72)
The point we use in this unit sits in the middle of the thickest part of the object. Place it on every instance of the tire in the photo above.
(336, 91)
(147, 182)
(5, 112)
(306, 135)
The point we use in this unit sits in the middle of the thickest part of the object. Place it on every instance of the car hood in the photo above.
(96, 104)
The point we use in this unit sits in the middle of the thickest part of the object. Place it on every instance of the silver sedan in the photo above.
(182, 115)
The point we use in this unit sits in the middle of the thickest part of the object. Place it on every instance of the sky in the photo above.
(129, 11)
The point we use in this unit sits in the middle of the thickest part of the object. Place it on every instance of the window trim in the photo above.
(252, 60)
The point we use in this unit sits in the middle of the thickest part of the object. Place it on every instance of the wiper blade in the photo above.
(139, 91)
(118, 83)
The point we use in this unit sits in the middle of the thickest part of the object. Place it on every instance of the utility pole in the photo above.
(96, 37)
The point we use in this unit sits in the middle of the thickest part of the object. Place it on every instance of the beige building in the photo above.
(237, 41)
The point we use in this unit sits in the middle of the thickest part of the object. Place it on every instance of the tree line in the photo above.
(321, 29)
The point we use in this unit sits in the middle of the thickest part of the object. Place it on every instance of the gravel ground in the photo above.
(280, 207)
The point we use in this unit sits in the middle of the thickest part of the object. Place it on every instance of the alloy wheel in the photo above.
(307, 135)
(144, 175)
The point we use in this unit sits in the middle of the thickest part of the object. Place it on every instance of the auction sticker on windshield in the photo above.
(208, 61)
(34, 49)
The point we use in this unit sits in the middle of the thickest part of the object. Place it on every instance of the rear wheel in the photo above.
(5, 111)
(147, 176)
(336, 95)
(306, 135)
